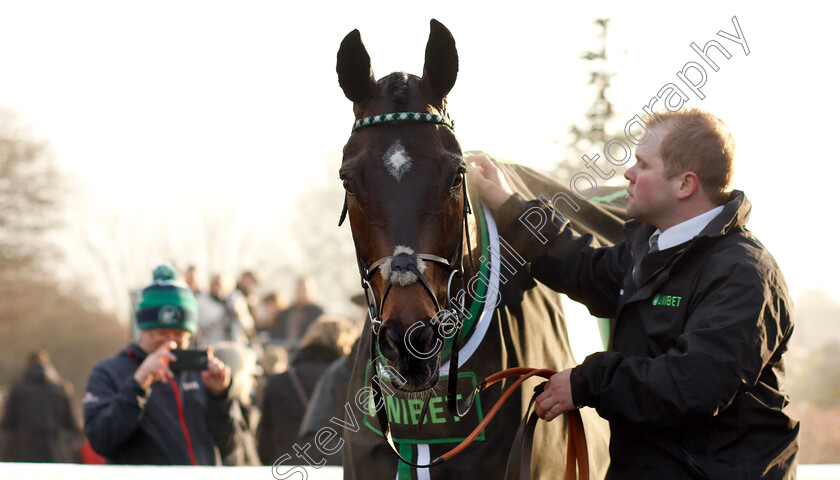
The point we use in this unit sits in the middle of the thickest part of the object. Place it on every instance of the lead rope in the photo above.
(577, 457)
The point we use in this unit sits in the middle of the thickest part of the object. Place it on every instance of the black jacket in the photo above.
(692, 382)
(37, 414)
(129, 425)
(283, 408)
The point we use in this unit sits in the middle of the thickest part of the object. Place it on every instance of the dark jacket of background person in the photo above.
(37, 419)
(328, 400)
(129, 425)
(283, 408)
(692, 384)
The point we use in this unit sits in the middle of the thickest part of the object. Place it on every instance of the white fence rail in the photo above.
(53, 471)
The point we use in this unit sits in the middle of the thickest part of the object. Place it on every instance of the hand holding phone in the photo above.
(217, 376)
(155, 368)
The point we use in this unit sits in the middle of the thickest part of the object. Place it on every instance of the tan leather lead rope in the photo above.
(519, 466)
(576, 451)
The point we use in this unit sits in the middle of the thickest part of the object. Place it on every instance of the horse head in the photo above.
(403, 172)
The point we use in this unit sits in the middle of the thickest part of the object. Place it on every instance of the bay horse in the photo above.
(450, 301)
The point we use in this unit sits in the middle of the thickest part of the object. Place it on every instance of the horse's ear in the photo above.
(441, 68)
(353, 67)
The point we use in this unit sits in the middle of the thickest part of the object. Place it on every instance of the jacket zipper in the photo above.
(181, 418)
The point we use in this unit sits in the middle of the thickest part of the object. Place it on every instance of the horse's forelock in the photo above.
(398, 90)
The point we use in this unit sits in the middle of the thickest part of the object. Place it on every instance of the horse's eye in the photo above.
(456, 184)
(348, 187)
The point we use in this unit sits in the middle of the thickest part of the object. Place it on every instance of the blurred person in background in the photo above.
(191, 278)
(223, 314)
(137, 411)
(287, 395)
(247, 286)
(328, 400)
(242, 362)
(275, 360)
(293, 321)
(268, 309)
(38, 423)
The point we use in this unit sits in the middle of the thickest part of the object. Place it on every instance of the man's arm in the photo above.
(561, 259)
(728, 340)
(571, 264)
(112, 410)
(114, 407)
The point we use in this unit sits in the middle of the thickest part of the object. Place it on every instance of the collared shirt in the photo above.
(685, 231)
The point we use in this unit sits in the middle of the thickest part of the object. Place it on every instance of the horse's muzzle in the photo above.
(413, 351)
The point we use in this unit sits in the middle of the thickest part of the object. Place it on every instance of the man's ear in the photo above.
(689, 183)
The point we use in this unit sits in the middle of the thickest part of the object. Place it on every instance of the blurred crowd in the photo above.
(289, 366)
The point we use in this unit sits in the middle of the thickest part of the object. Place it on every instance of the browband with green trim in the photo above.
(404, 116)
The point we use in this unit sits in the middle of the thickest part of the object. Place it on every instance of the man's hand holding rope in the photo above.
(556, 398)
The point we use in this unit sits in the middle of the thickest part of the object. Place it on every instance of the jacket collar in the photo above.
(735, 214)
(134, 353)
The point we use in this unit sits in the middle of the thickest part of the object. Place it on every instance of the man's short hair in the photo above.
(698, 142)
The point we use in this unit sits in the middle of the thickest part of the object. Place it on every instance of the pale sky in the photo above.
(153, 103)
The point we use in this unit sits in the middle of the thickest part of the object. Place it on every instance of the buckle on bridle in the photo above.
(373, 311)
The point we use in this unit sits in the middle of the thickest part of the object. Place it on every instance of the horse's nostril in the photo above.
(418, 342)
(389, 341)
(395, 335)
(421, 339)
(421, 336)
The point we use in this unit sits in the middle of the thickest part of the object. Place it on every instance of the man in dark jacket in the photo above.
(137, 411)
(692, 384)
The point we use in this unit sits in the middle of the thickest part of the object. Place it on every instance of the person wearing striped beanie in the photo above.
(167, 303)
(138, 411)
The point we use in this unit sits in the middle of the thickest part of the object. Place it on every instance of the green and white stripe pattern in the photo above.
(404, 116)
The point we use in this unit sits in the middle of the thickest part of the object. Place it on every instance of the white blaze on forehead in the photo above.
(401, 278)
(397, 160)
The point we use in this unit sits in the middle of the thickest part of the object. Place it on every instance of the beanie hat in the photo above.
(167, 302)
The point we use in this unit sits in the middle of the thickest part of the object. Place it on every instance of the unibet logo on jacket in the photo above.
(666, 300)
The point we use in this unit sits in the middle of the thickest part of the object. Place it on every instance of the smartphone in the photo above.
(189, 360)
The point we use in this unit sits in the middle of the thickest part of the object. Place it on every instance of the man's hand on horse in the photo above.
(556, 398)
(492, 185)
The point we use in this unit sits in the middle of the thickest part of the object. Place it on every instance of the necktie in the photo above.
(654, 243)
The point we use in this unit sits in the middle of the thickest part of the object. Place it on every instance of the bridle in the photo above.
(408, 263)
